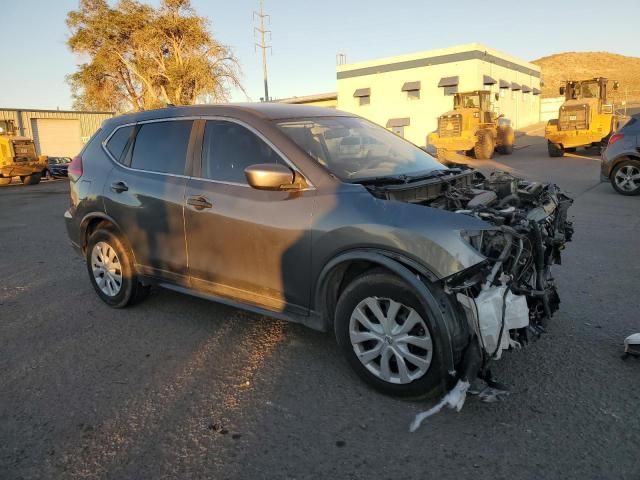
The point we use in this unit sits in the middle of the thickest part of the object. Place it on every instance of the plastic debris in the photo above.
(454, 399)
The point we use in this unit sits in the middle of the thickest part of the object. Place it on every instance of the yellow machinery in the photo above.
(18, 157)
(473, 127)
(586, 118)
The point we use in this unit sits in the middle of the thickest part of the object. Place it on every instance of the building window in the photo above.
(396, 125)
(363, 95)
(452, 90)
(398, 131)
(412, 89)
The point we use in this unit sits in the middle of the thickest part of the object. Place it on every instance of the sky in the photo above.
(306, 36)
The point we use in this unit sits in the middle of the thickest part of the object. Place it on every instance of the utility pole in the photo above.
(262, 45)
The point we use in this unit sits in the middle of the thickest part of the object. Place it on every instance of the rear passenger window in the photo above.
(229, 148)
(118, 142)
(162, 146)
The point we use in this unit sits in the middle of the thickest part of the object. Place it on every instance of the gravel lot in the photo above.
(178, 387)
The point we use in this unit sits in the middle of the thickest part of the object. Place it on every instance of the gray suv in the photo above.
(621, 159)
(425, 273)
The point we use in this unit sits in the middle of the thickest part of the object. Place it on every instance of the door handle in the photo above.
(119, 187)
(199, 202)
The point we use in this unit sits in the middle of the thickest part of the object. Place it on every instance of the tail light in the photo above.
(615, 138)
(75, 168)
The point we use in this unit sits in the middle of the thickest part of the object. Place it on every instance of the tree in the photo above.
(142, 57)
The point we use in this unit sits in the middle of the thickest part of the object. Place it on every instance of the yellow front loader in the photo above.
(472, 127)
(586, 118)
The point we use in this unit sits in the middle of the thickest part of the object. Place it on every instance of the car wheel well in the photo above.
(337, 280)
(93, 225)
(619, 160)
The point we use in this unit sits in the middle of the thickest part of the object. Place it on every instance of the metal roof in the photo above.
(318, 97)
(265, 111)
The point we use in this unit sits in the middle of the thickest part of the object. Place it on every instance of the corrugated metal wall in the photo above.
(89, 121)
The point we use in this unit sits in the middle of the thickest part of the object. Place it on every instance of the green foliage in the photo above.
(140, 57)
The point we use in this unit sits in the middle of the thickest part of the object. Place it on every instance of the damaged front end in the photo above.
(511, 295)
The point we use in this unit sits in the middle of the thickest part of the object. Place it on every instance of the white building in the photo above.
(407, 93)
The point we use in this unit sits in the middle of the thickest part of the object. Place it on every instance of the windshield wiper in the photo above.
(386, 179)
(403, 178)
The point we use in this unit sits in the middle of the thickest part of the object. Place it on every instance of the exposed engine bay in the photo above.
(510, 296)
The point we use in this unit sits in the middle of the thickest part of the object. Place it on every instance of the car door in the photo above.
(251, 246)
(145, 191)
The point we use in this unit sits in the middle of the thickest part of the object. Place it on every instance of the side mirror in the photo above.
(497, 95)
(270, 176)
(561, 90)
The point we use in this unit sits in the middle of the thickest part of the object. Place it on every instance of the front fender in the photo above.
(384, 259)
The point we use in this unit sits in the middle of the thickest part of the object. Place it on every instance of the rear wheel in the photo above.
(484, 147)
(626, 177)
(386, 333)
(32, 179)
(5, 181)
(111, 270)
(555, 150)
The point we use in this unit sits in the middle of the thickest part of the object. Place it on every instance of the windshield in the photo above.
(355, 149)
(590, 89)
(471, 100)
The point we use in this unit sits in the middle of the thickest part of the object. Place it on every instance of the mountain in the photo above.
(582, 65)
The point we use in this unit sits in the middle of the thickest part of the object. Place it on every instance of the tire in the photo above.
(505, 149)
(32, 179)
(555, 150)
(121, 287)
(622, 177)
(5, 181)
(483, 150)
(377, 287)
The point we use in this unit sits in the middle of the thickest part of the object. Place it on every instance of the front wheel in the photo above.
(626, 177)
(32, 179)
(386, 333)
(555, 150)
(484, 147)
(111, 270)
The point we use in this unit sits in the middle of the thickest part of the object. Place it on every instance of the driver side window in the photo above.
(228, 148)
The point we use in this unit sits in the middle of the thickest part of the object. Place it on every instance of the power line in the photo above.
(262, 45)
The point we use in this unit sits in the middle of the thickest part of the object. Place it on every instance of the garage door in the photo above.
(56, 137)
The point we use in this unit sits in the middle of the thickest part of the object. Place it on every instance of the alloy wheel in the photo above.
(391, 340)
(628, 178)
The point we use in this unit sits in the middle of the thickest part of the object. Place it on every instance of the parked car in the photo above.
(56, 167)
(621, 159)
(423, 272)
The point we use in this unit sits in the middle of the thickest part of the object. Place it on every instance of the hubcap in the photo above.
(106, 268)
(628, 178)
(391, 340)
